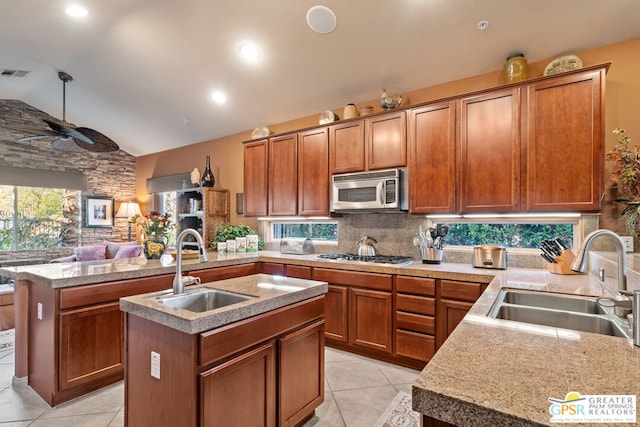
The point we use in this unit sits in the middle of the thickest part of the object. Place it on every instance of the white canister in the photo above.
(241, 244)
(222, 247)
(252, 243)
(231, 246)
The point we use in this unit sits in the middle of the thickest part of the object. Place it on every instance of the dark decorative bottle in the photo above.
(207, 177)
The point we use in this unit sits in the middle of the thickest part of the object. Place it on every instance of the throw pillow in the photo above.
(112, 247)
(90, 253)
(128, 252)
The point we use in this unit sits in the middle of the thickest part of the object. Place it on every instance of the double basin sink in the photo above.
(574, 312)
(200, 300)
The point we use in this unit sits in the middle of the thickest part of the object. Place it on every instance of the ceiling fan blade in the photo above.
(67, 145)
(97, 141)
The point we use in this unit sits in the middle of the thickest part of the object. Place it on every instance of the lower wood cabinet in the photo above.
(415, 319)
(456, 299)
(335, 313)
(370, 315)
(289, 270)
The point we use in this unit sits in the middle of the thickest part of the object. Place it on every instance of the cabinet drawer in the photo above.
(298, 271)
(414, 345)
(221, 273)
(466, 291)
(416, 322)
(414, 304)
(273, 268)
(416, 285)
(382, 282)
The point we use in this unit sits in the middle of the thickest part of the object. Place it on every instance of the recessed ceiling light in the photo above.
(250, 52)
(219, 97)
(76, 11)
(483, 25)
(321, 19)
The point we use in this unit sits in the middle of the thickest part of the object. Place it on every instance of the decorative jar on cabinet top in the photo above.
(515, 68)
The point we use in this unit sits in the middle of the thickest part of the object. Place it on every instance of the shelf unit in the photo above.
(212, 209)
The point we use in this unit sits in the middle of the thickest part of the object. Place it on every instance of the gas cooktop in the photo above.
(378, 259)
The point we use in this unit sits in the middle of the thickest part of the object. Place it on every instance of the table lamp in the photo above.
(127, 210)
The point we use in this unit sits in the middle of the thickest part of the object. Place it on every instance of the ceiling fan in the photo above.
(69, 138)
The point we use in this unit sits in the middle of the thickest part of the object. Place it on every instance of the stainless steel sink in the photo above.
(573, 312)
(200, 301)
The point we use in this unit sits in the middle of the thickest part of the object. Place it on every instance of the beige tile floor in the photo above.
(357, 391)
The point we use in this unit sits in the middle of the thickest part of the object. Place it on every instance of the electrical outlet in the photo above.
(628, 243)
(39, 311)
(155, 365)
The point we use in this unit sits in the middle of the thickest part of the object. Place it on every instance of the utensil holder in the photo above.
(431, 255)
(563, 263)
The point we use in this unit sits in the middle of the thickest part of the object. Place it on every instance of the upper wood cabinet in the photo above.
(346, 147)
(255, 178)
(489, 144)
(386, 140)
(564, 154)
(313, 172)
(432, 160)
(283, 175)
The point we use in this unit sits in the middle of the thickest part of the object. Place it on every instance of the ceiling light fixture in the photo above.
(321, 19)
(250, 52)
(219, 97)
(483, 25)
(76, 11)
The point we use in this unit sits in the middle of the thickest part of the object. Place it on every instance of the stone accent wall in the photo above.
(108, 174)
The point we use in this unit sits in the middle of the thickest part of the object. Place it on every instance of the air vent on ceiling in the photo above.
(5, 72)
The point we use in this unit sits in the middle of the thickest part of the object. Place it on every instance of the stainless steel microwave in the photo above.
(374, 191)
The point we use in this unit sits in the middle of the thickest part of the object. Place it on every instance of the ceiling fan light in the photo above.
(219, 97)
(76, 11)
(250, 52)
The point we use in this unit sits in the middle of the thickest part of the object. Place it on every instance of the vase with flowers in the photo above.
(155, 227)
(626, 176)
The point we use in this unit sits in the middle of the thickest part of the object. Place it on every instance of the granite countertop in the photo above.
(269, 293)
(495, 372)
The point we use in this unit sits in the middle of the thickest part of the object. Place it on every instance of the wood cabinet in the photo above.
(358, 309)
(265, 370)
(283, 175)
(313, 172)
(455, 300)
(289, 270)
(202, 209)
(386, 139)
(347, 147)
(415, 318)
(564, 146)
(489, 143)
(221, 273)
(432, 159)
(256, 182)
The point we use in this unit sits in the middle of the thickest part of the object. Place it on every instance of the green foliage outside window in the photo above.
(315, 231)
(508, 235)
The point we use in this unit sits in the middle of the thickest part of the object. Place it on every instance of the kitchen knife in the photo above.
(550, 248)
(561, 244)
(548, 258)
(547, 252)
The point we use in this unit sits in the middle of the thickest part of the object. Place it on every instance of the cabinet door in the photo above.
(347, 147)
(273, 268)
(564, 147)
(450, 313)
(490, 152)
(370, 324)
(240, 392)
(300, 374)
(335, 313)
(313, 172)
(255, 178)
(386, 137)
(91, 344)
(283, 175)
(432, 164)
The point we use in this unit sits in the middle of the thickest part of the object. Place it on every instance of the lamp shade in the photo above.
(128, 209)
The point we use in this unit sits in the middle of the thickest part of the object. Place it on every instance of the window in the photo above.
(522, 233)
(325, 231)
(37, 218)
(167, 205)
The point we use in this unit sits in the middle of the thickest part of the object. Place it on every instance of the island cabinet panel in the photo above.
(386, 138)
(283, 175)
(300, 373)
(415, 319)
(313, 172)
(432, 159)
(358, 309)
(564, 148)
(240, 392)
(347, 147)
(489, 142)
(221, 273)
(91, 344)
(255, 178)
(455, 299)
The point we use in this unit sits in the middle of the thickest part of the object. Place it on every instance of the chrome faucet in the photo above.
(579, 264)
(178, 281)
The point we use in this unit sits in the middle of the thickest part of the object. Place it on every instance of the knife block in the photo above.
(563, 265)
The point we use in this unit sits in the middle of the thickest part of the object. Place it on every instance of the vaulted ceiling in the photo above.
(144, 70)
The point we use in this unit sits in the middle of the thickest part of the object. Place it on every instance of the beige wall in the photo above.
(622, 103)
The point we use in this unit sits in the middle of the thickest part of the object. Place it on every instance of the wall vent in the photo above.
(5, 72)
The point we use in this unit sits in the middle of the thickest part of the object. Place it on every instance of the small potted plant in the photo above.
(227, 231)
(627, 178)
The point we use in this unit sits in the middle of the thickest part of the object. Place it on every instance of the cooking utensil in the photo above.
(365, 246)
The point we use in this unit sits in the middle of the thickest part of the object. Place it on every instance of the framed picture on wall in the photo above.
(99, 212)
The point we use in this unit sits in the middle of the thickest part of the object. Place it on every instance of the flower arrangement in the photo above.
(627, 177)
(153, 224)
